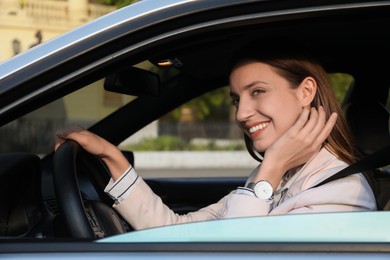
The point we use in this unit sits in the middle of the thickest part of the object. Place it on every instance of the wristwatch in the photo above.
(262, 189)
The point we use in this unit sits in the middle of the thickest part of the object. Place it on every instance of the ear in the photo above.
(307, 91)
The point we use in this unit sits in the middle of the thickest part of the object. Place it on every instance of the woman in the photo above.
(292, 124)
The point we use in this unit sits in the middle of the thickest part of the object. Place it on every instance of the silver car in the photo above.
(126, 72)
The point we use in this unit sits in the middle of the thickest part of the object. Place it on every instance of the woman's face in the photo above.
(266, 105)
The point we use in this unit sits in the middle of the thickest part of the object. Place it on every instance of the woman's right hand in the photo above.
(98, 146)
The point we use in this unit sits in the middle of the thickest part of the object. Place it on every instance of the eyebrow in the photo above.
(249, 85)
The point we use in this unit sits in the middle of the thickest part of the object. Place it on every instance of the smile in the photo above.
(258, 127)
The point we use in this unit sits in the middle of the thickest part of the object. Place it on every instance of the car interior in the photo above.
(40, 199)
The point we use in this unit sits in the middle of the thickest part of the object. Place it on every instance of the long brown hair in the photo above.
(295, 65)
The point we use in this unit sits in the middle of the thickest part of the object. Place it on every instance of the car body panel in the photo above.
(325, 227)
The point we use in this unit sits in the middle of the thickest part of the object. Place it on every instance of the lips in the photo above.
(257, 129)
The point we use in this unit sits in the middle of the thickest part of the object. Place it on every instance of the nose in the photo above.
(244, 111)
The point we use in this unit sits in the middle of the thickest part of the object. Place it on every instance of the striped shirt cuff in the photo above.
(246, 191)
(119, 189)
(250, 192)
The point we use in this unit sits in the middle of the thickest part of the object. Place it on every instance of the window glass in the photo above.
(35, 132)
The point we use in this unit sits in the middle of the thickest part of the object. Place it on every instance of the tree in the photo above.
(117, 3)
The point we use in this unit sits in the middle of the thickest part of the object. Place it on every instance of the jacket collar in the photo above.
(321, 166)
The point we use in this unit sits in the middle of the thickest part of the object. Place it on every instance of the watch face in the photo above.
(263, 190)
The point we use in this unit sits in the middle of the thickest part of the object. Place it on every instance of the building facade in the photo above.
(26, 23)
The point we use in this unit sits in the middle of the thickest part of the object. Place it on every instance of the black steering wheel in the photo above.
(82, 218)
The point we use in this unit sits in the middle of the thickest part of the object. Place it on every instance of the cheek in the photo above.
(286, 115)
(287, 119)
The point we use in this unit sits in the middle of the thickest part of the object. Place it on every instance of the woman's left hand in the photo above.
(295, 147)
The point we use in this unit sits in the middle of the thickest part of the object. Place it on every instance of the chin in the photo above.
(261, 148)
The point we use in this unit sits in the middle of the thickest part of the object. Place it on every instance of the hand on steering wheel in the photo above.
(83, 219)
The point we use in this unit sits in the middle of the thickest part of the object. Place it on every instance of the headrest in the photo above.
(369, 123)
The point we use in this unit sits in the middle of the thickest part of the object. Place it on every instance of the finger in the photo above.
(313, 125)
(57, 145)
(319, 123)
(312, 122)
(59, 139)
(64, 133)
(301, 121)
(70, 132)
(327, 129)
(80, 137)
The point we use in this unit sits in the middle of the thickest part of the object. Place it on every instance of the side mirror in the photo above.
(133, 81)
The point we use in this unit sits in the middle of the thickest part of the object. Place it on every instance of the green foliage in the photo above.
(174, 143)
(161, 143)
(123, 3)
(214, 105)
(340, 83)
(212, 145)
(117, 3)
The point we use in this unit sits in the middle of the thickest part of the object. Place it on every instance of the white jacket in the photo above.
(143, 209)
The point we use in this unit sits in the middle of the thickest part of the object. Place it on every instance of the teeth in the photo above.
(258, 127)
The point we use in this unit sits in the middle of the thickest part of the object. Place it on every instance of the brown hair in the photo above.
(295, 66)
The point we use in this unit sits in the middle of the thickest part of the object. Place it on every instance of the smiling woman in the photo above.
(284, 108)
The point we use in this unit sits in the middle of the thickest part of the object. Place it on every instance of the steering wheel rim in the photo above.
(68, 192)
(93, 218)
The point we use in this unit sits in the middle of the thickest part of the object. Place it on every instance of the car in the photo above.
(122, 75)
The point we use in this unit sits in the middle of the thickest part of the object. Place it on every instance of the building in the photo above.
(25, 23)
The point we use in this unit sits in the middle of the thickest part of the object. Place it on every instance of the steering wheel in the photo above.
(82, 218)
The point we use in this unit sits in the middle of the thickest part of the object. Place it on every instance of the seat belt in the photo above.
(373, 161)
(365, 166)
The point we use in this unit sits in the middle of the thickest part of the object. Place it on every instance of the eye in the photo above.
(235, 101)
(257, 91)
